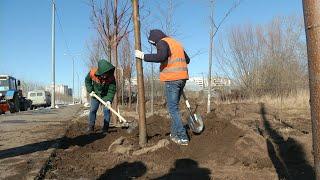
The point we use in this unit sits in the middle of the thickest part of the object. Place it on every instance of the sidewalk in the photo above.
(28, 138)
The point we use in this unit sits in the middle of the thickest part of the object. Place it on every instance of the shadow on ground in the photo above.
(81, 140)
(287, 156)
(185, 169)
(125, 171)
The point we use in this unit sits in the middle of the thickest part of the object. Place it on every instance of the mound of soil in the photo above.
(222, 151)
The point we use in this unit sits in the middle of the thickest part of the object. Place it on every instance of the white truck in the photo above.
(40, 98)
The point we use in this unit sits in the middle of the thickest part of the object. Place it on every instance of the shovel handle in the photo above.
(92, 94)
(187, 102)
(184, 96)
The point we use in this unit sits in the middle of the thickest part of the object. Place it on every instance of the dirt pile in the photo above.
(224, 150)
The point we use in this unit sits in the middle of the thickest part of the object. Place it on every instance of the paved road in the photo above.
(27, 139)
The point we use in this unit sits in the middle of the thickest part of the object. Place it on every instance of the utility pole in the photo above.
(53, 100)
(142, 108)
(73, 88)
(311, 11)
(210, 56)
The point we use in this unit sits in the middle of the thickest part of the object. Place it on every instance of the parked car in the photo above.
(40, 98)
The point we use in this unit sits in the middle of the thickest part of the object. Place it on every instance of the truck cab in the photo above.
(11, 98)
(7, 83)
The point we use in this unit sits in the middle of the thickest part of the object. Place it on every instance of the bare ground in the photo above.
(28, 138)
(240, 141)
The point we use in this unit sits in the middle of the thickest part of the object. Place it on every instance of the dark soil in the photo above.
(222, 151)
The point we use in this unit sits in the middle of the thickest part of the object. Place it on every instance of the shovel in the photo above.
(124, 123)
(195, 122)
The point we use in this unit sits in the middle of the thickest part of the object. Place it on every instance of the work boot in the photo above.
(105, 128)
(90, 129)
(174, 138)
(183, 141)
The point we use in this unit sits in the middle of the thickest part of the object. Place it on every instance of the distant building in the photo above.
(60, 89)
(84, 95)
(220, 81)
(200, 81)
(193, 86)
(48, 88)
(69, 91)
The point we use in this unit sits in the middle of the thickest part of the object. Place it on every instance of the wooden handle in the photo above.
(184, 96)
(92, 94)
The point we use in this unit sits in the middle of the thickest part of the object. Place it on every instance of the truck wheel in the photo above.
(11, 107)
(23, 107)
(16, 103)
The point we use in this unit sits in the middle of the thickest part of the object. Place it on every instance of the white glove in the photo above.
(108, 103)
(91, 93)
(139, 54)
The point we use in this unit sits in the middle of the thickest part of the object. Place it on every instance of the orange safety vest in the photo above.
(100, 80)
(175, 68)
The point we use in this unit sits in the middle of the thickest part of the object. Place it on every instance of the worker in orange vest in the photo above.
(174, 73)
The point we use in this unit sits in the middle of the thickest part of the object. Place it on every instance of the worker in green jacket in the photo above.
(101, 80)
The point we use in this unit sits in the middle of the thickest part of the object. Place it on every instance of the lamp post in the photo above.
(53, 55)
(72, 57)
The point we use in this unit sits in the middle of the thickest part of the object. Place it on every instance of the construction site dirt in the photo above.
(240, 141)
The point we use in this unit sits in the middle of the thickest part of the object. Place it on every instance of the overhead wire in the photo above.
(62, 31)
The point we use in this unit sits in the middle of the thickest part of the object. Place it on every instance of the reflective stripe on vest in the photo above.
(176, 60)
(175, 68)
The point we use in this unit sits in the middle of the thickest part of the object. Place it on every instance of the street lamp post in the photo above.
(53, 55)
(72, 57)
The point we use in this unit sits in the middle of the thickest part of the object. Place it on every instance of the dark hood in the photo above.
(156, 35)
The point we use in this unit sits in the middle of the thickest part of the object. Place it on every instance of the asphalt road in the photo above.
(28, 138)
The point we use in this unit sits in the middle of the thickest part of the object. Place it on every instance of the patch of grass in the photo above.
(298, 101)
(295, 103)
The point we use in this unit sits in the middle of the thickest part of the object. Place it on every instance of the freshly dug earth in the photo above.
(240, 141)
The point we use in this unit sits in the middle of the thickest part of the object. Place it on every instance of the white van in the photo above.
(40, 98)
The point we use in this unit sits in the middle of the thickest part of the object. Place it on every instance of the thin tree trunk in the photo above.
(130, 94)
(152, 87)
(142, 108)
(209, 74)
(210, 56)
(115, 50)
(152, 90)
(122, 88)
(311, 10)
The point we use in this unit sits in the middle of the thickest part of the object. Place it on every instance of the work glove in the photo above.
(108, 103)
(139, 54)
(91, 93)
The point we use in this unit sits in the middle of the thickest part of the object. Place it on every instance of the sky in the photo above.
(25, 33)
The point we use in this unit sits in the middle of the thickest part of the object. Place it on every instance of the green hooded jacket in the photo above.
(104, 88)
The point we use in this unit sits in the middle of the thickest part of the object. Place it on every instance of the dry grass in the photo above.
(298, 101)
(293, 104)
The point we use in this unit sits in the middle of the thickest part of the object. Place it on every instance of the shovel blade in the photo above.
(195, 123)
